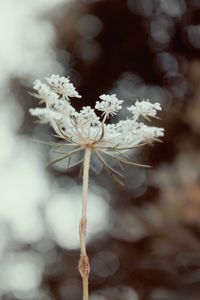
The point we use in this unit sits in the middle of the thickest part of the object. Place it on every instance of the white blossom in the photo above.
(144, 108)
(89, 115)
(110, 104)
(45, 115)
(84, 129)
(44, 92)
(57, 88)
(62, 86)
(150, 132)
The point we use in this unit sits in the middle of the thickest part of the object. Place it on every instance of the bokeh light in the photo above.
(143, 237)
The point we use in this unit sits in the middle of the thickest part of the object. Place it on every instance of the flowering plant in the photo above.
(86, 131)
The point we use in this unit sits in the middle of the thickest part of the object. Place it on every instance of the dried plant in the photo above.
(85, 132)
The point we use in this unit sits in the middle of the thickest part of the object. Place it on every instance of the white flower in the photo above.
(57, 88)
(44, 92)
(144, 108)
(45, 115)
(110, 104)
(150, 132)
(88, 114)
(84, 130)
(62, 86)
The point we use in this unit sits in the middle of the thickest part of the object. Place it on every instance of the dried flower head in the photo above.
(84, 129)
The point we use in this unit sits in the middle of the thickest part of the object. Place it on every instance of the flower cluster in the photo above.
(109, 105)
(84, 129)
(144, 109)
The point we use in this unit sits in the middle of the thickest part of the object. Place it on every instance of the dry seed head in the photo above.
(84, 129)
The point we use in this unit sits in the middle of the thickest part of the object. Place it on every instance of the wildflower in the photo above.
(57, 90)
(145, 109)
(110, 104)
(88, 114)
(84, 131)
(44, 114)
(62, 86)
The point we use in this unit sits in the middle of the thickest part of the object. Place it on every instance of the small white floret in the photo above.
(62, 86)
(89, 115)
(110, 104)
(45, 115)
(144, 108)
(150, 132)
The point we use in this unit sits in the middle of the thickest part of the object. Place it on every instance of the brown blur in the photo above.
(139, 49)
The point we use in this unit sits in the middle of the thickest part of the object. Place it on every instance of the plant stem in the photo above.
(84, 266)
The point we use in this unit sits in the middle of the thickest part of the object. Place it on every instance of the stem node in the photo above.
(84, 266)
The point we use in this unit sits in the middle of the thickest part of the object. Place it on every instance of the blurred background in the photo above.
(143, 238)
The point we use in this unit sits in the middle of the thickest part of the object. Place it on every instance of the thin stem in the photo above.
(84, 266)
(101, 130)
